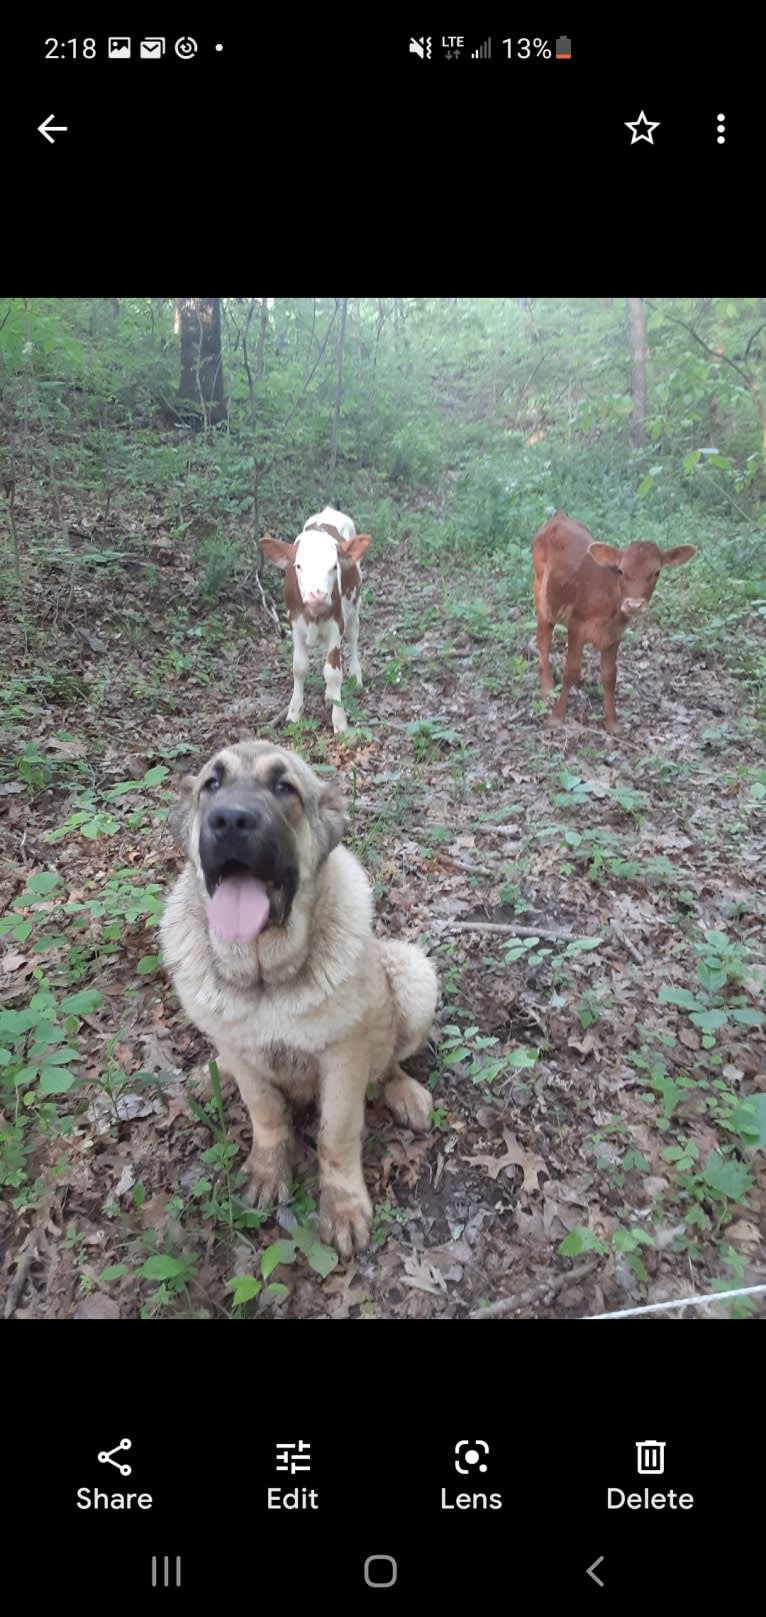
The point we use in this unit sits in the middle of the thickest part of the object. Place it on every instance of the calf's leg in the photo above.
(571, 675)
(609, 681)
(544, 637)
(300, 668)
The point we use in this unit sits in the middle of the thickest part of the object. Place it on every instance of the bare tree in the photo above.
(338, 391)
(637, 347)
(263, 328)
(199, 323)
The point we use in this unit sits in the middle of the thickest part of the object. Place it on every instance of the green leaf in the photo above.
(5, 1057)
(155, 775)
(56, 1080)
(13, 1023)
(162, 1267)
(709, 1021)
(677, 996)
(322, 1259)
(277, 1288)
(43, 881)
(60, 1057)
(245, 1288)
(580, 1240)
(580, 944)
(727, 1177)
(525, 1056)
(113, 1271)
(749, 1017)
(83, 1003)
(147, 964)
(278, 1252)
(644, 487)
(712, 977)
(749, 1119)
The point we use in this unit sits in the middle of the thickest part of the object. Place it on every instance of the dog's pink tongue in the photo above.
(239, 909)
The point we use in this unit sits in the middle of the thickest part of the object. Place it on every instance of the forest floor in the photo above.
(596, 909)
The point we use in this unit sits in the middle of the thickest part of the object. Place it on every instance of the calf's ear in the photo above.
(605, 555)
(278, 551)
(679, 554)
(352, 550)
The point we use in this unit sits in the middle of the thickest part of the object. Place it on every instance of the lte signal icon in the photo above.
(421, 47)
(651, 1458)
(484, 52)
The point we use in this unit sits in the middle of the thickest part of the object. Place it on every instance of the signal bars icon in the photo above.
(483, 53)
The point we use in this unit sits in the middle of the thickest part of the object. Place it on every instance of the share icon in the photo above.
(105, 1457)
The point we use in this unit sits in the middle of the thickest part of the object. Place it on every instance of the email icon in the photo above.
(152, 49)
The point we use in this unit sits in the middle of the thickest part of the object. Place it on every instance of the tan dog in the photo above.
(267, 935)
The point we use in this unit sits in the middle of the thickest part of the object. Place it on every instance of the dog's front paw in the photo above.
(345, 1217)
(410, 1102)
(339, 720)
(268, 1176)
(294, 712)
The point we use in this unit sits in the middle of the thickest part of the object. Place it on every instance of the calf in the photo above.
(595, 591)
(323, 583)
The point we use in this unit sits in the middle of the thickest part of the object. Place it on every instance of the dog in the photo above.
(267, 937)
(322, 590)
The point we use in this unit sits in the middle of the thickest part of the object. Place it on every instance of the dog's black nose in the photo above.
(222, 821)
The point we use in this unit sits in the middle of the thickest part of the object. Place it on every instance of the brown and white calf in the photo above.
(596, 591)
(323, 585)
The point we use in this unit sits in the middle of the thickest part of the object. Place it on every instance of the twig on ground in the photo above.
(513, 931)
(629, 947)
(472, 870)
(269, 607)
(546, 1289)
(29, 1252)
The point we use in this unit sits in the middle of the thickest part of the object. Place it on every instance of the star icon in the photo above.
(641, 129)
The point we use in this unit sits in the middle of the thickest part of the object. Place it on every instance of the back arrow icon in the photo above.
(591, 1572)
(49, 129)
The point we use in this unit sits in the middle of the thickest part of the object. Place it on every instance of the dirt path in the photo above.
(591, 1074)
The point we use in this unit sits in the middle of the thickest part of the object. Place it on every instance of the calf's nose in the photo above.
(316, 597)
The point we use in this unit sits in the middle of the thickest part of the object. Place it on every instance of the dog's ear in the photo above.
(180, 816)
(332, 818)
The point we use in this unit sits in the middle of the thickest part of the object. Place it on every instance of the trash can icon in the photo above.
(651, 1458)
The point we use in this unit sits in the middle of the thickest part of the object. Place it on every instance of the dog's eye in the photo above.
(212, 785)
(283, 788)
(299, 567)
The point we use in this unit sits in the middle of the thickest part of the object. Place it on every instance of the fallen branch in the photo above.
(513, 931)
(629, 947)
(535, 1294)
(500, 830)
(29, 1253)
(269, 606)
(472, 870)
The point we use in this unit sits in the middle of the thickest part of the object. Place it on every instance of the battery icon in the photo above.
(563, 50)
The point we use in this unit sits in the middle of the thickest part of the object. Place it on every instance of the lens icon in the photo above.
(186, 47)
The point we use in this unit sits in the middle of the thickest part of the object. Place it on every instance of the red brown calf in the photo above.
(595, 591)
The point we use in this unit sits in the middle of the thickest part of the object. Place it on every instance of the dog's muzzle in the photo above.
(248, 858)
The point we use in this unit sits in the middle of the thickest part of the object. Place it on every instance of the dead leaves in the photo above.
(514, 1157)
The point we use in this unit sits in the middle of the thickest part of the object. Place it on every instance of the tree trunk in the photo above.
(262, 329)
(199, 321)
(637, 346)
(338, 393)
